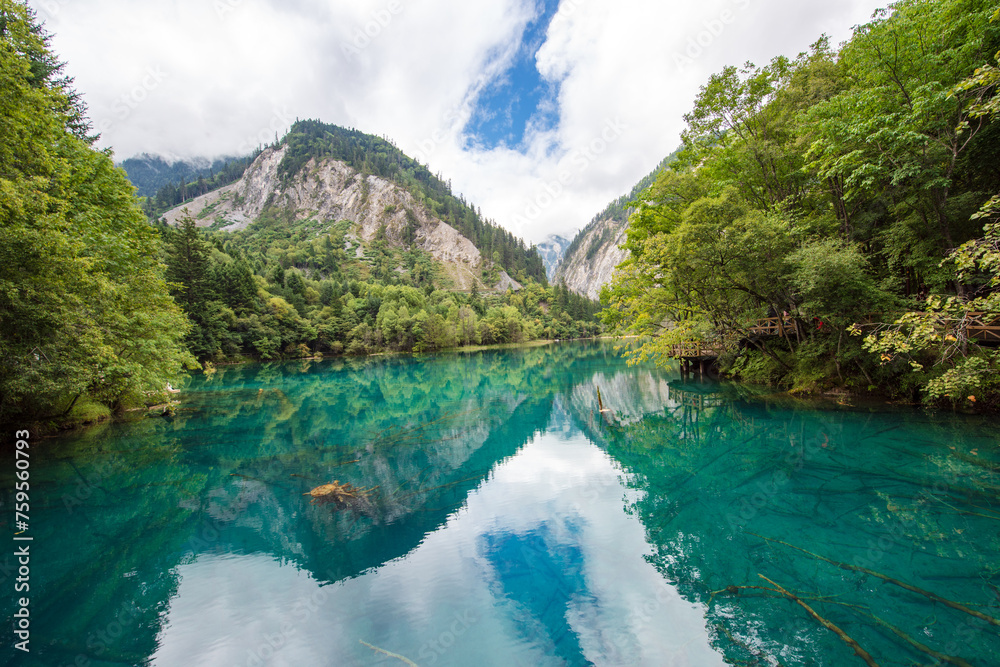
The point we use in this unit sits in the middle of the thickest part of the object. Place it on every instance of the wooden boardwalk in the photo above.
(696, 350)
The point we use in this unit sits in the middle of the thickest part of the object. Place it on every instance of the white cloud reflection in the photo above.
(450, 601)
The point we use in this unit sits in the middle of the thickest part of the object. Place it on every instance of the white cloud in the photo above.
(208, 77)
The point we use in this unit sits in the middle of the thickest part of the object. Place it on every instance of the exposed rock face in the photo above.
(592, 262)
(239, 203)
(552, 250)
(329, 191)
(506, 282)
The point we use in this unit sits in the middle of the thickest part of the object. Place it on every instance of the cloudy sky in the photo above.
(539, 111)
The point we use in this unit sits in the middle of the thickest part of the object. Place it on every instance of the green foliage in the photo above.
(898, 133)
(284, 289)
(969, 378)
(825, 192)
(88, 411)
(84, 308)
(833, 283)
(758, 368)
(934, 341)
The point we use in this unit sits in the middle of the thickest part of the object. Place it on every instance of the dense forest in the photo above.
(286, 287)
(278, 290)
(86, 320)
(849, 193)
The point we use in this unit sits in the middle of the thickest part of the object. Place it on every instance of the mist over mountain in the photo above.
(149, 173)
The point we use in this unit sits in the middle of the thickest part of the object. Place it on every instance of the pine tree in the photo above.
(188, 267)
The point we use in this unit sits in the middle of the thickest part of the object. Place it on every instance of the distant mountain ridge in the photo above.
(148, 173)
(590, 260)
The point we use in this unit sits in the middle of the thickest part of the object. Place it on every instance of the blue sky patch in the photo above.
(519, 96)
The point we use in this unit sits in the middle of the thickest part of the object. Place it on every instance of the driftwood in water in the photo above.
(342, 495)
(401, 658)
(940, 657)
(735, 590)
(897, 582)
(861, 653)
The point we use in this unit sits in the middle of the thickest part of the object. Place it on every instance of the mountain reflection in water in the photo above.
(512, 522)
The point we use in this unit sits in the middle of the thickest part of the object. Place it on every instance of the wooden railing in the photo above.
(695, 349)
(773, 326)
(983, 329)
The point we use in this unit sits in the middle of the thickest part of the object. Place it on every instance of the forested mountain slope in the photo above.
(324, 174)
(333, 241)
(325, 192)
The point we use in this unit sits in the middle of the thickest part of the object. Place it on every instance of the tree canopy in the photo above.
(284, 288)
(838, 191)
(84, 306)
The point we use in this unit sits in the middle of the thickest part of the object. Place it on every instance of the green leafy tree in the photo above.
(824, 192)
(235, 283)
(899, 132)
(84, 308)
(189, 271)
(188, 267)
(935, 341)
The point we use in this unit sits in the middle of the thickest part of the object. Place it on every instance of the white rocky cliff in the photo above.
(592, 263)
(329, 191)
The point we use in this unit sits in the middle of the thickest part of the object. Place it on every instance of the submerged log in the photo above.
(902, 584)
(860, 652)
(339, 494)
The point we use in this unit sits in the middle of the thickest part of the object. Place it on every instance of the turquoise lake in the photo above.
(508, 520)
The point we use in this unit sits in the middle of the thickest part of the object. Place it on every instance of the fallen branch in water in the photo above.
(897, 582)
(965, 513)
(389, 653)
(340, 494)
(864, 611)
(860, 652)
(435, 488)
(941, 657)
(755, 652)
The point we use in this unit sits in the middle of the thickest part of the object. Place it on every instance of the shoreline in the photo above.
(843, 398)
